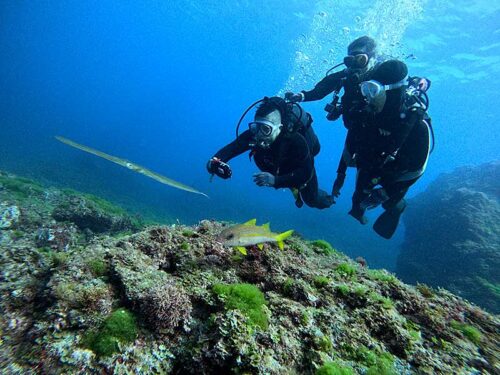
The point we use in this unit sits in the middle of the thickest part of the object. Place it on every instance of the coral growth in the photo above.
(172, 299)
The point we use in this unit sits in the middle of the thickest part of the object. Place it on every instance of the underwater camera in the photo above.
(333, 109)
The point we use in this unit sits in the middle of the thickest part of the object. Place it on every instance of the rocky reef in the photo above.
(78, 297)
(452, 236)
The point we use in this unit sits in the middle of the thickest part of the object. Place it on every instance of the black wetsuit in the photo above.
(370, 138)
(290, 158)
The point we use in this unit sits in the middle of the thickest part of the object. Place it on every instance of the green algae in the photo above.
(492, 288)
(324, 343)
(98, 267)
(384, 301)
(342, 289)
(332, 368)
(323, 247)
(376, 362)
(288, 285)
(472, 333)
(237, 257)
(346, 270)
(246, 298)
(17, 234)
(413, 330)
(185, 245)
(20, 188)
(189, 233)
(425, 290)
(119, 328)
(384, 365)
(360, 290)
(321, 281)
(381, 275)
(59, 258)
(365, 356)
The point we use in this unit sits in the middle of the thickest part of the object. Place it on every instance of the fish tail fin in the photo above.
(242, 250)
(282, 236)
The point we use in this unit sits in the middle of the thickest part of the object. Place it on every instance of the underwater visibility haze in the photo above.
(163, 84)
(160, 86)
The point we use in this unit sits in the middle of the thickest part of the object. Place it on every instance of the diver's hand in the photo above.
(264, 179)
(294, 98)
(218, 167)
(337, 185)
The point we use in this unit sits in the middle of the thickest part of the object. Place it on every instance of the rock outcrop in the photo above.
(452, 237)
(172, 299)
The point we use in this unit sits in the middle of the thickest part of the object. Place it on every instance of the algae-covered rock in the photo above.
(92, 214)
(452, 235)
(153, 293)
(174, 300)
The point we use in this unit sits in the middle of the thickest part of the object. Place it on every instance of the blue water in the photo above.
(163, 83)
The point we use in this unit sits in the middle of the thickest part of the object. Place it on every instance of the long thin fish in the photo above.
(131, 166)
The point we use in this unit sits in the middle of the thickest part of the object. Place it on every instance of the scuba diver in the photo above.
(388, 137)
(283, 144)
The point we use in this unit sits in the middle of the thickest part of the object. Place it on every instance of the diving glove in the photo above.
(218, 167)
(294, 98)
(264, 179)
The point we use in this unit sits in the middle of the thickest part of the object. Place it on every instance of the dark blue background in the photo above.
(164, 83)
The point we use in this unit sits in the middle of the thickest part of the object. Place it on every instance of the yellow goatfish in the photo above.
(249, 233)
(131, 166)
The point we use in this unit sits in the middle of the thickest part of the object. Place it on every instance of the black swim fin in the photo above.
(387, 223)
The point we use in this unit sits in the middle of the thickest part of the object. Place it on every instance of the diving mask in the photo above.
(358, 61)
(375, 93)
(264, 131)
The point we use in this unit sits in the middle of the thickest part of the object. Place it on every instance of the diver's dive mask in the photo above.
(357, 61)
(375, 93)
(264, 131)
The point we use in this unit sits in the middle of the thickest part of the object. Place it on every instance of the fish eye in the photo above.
(229, 236)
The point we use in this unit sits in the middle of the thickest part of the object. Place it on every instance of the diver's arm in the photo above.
(235, 148)
(324, 87)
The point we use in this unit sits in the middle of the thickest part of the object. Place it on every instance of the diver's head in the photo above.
(267, 125)
(361, 54)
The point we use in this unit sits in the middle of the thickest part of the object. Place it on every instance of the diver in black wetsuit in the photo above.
(283, 144)
(388, 130)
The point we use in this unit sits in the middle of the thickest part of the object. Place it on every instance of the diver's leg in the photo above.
(363, 184)
(315, 197)
(387, 223)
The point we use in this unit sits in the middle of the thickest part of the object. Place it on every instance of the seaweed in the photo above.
(246, 298)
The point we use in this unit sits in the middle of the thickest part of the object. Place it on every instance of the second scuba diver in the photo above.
(283, 144)
(388, 130)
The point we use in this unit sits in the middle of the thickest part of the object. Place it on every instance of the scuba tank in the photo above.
(416, 99)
